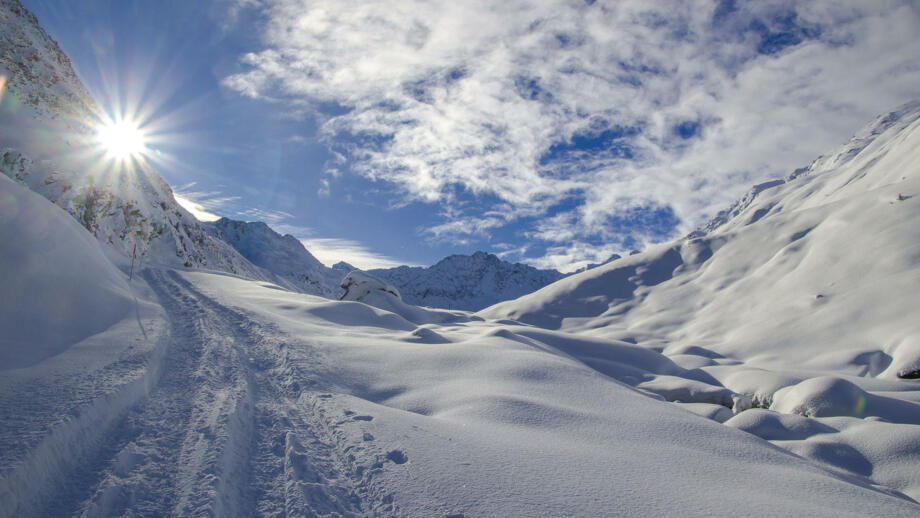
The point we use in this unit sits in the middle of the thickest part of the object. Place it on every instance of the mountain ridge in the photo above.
(468, 282)
(50, 146)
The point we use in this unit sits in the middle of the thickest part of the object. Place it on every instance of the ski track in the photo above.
(236, 423)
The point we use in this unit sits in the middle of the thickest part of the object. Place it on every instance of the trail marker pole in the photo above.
(133, 256)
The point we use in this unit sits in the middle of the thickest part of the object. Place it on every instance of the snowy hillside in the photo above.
(469, 282)
(803, 296)
(48, 143)
(193, 393)
(284, 256)
(229, 397)
(761, 367)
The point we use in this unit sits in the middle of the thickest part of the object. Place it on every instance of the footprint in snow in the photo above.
(397, 456)
(351, 413)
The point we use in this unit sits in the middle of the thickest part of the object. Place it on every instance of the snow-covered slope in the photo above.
(803, 296)
(48, 143)
(829, 256)
(284, 256)
(234, 398)
(469, 282)
(231, 397)
(266, 402)
(58, 286)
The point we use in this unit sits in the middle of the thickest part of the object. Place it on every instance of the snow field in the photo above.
(498, 421)
(801, 298)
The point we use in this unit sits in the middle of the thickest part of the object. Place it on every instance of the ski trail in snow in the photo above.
(234, 427)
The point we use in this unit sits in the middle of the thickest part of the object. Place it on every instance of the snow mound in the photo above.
(827, 396)
(58, 286)
(821, 397)
(905, 360)
(362, 287)
(774, 426)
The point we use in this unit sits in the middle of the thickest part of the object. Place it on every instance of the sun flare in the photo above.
(121, 140)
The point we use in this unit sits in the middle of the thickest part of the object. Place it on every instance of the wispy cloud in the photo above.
(332, 250)
(632, 107)
(197, 210)
(328, 250)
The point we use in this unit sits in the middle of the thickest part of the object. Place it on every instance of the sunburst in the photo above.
(122, 140)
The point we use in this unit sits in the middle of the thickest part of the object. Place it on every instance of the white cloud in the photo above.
(332, 250)
(492, 99)
(273, 218)
(197, 210)
(573, 256)
(328, 250)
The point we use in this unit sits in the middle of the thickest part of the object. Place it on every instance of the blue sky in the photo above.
(554, 133)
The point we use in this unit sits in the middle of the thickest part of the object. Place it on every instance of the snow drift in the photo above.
(58, 287)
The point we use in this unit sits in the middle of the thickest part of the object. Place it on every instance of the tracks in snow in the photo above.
(231, 426)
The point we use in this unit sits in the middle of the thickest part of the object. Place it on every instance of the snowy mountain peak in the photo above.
(342, 266)
(38, 73)
(284, 256)
(467, 282)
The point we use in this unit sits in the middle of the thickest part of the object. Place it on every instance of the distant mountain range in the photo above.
(469, 282)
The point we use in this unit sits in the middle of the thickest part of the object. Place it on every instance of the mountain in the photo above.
(826, 255)
(284, 256)
(760, 367)
(802, 296)
(48, 143)
(469, 282)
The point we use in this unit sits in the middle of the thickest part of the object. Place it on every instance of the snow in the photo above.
(285, 256)
(757, 367)
(49, 144)
(492, 402)
(801, 298)
(59, 288)
(469, 282)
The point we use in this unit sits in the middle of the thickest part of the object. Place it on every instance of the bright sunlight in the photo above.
(122, 140)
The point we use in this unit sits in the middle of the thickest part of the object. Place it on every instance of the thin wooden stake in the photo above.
(133, 255)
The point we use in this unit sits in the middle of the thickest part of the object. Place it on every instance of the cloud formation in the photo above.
(328, 250)
(332, 250)
(196, 209)
(639, 119)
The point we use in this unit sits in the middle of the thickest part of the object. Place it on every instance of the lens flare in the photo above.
(122, 140)
(860, 407)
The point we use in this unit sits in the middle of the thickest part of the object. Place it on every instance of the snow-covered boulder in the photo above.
(363, 287)
(821, 397)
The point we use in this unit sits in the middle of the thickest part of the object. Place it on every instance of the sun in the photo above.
(122, 140)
